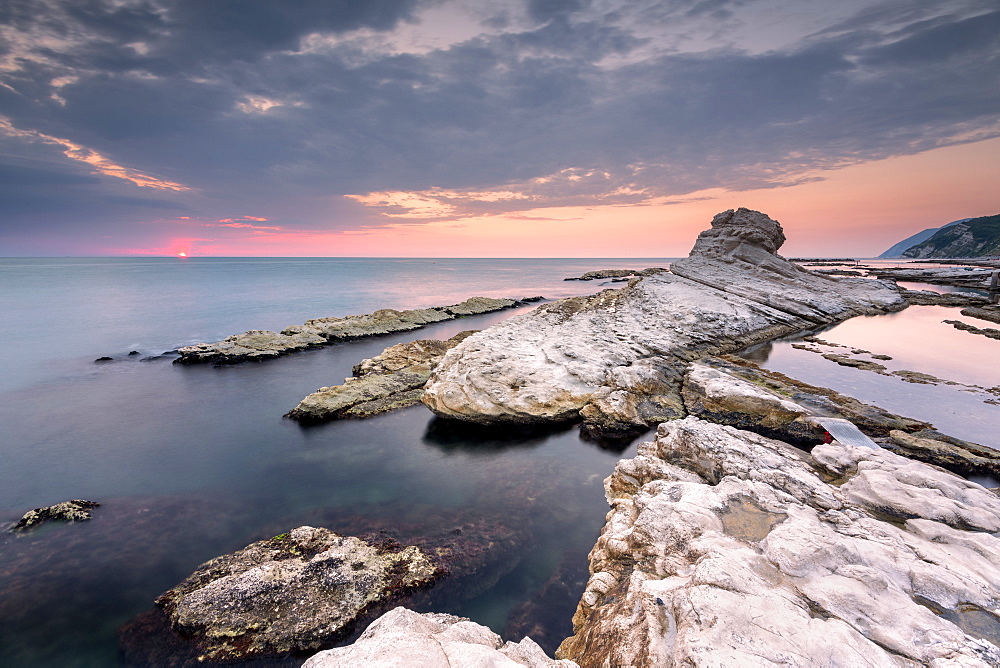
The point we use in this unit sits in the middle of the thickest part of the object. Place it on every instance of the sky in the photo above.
(466, 128)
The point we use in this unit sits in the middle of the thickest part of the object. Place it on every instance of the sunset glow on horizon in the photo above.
(561, 129)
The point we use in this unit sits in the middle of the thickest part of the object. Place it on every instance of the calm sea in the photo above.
(193, 462)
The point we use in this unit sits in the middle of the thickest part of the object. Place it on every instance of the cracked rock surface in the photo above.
(724, 547)
(616, 358)
(402, 637)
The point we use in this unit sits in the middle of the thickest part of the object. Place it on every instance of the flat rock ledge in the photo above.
(617, 358)
(294, 592)
(733, 391)
(391, 380)
(402, 637)
(76, 510)
(967, 277)
(724, 547)
(931, 298)
(262, 344)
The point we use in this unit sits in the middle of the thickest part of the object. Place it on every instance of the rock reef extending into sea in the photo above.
(616, 358)
(724, 547)
(393, 379)
(259, 344)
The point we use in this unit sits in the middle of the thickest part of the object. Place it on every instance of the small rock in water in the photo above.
(294, 592)
(133, 352)
(76, 510)
(104, 359)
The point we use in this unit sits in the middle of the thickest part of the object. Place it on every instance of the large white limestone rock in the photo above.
(733, 290)
(727, 548)
(402, 637)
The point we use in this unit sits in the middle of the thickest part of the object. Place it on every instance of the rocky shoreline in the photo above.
(745, 533)
(727, 548)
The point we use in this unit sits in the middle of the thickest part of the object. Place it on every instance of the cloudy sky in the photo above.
(476, 128)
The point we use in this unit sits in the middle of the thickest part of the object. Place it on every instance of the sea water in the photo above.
(194, 462)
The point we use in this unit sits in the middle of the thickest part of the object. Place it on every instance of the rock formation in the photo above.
(616, 273)
(966, 277)
(259, 344)
(724, 547)
(988, 313)
(616, 358)
(733, 391)
(402, 637)
(76, 510)
(393, 379)
(930, 298)
(293, 592)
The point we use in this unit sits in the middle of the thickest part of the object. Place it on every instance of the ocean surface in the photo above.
(194, 462)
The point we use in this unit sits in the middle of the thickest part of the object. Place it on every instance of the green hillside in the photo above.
(976, 237)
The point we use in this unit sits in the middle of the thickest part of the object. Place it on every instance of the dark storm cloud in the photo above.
(573, 103)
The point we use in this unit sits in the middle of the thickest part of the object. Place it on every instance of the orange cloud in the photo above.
(101, 165)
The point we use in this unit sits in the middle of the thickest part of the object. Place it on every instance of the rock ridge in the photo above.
(259, 344)
(615, 358)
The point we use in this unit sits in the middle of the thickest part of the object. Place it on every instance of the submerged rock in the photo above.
(616, 358)
(76, 510)
(293, 592)
(402, 637)
(391, 380)
(726, 547)
(257, 345)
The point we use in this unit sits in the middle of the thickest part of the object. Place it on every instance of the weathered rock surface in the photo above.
(391, 380)
(724, 547)
(954, 454)
(616, 273)
(76, 510)
(614, 358)
(989, 332)
(990, 313)
(733, 391)
(292, 592)
(930, 298)
(402, 637)
(257, 345)
(959, 277)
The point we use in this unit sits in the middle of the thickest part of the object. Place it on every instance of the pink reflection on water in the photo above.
(918, 340)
